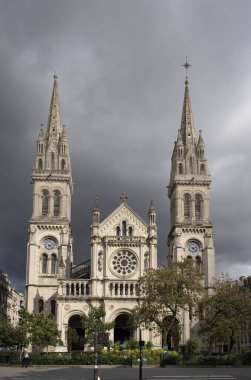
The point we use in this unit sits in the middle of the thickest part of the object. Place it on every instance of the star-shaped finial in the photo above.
(186, 65)
(123, 197)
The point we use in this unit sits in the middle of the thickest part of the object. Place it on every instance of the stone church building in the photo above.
(122, 246)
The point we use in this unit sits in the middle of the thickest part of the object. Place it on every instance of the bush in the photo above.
(171, 358)
(211, 360)
(245, 358)
(190, 348)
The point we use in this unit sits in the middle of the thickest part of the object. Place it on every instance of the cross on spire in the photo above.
(123, 197)
(186, 65)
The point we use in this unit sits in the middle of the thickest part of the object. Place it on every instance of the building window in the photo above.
(63, 165)
(191, 165)
(57, 198)
(180, 168)
(53, 307)
(53, 264)
(124, 228)
(40, 163)
(130, 232)
(198, 263)
(198, 206)
(202, 169)
(187, 202)
(40, 306)
(44, 263)
(52, 160)
(45, 202)
(118, 231)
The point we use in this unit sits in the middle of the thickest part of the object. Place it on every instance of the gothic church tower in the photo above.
(191, 232)
(49, 251)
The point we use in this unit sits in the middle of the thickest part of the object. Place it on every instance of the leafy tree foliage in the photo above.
(6, 332)
(226, 315)
(45, 331)
(166, 292)
(38, 329)
(94, 321)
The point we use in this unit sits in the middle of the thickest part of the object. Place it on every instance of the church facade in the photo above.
(123, 245)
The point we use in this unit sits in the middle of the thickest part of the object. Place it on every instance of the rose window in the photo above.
(124, 263)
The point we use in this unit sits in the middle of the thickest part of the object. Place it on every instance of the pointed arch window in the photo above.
(191, 165)
(198, 206)
(130, 232)
(53, 264)
(52, 160)
(40, 163)
(118, 231)
(57, 198)
(198, 263)
(63, 164)
(44, 263)
(202, 169)
(40, 305)
(124, 228)
(187, 204)
(45, 202)
(53, 307)
(180, 168)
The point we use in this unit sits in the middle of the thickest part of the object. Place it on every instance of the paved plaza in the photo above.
(121, 373)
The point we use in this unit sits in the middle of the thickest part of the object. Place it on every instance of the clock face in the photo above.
(193, 247)
(49, 244)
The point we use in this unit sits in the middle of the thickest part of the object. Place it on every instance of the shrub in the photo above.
(246, 358)
(172, 358)
(190, 348)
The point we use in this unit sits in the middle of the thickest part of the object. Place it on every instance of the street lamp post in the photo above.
(141, 343)
(95, 355)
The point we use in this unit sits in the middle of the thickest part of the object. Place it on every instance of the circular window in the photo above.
(124, 263)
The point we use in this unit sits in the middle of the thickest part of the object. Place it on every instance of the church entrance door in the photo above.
(75, 334)
(122, 331)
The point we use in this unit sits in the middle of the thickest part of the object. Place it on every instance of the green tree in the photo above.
(226, 315)
(94, 321)
(165, 293)
(38, 329)
(45, 331)
(6, 333)
(24, 328)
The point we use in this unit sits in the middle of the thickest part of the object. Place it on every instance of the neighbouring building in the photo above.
(10, 300)
(123, 245)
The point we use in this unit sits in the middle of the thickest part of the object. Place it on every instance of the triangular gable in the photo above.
(123, 212)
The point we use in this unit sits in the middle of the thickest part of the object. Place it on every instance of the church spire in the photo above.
(187, 124)
(54, 120)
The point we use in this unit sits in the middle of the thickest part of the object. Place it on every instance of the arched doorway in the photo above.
(75, 334)
(122, 330)
(172, 338)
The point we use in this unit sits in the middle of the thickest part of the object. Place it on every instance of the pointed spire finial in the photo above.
(123, 197)
(152, 208)
(96, 205)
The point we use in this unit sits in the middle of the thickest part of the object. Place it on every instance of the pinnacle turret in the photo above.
(200, 140)
(96, 211)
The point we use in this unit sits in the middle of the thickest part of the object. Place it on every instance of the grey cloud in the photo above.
(121, 91)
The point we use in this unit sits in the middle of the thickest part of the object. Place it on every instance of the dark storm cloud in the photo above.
(121, 93)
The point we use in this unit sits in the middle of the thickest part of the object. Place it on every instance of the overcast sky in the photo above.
(121, 87)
